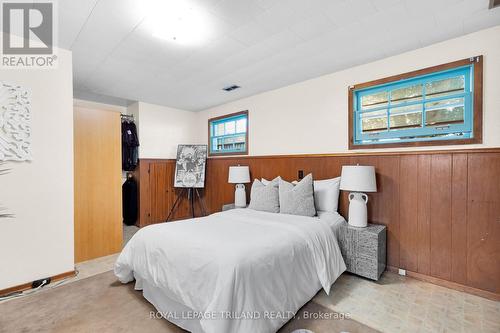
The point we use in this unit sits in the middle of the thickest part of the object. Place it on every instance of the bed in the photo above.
(237, 271)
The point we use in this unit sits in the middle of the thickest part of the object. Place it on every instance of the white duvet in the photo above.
(235, 271)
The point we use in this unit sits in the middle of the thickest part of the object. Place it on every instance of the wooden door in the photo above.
(98, 199)
(160, 198)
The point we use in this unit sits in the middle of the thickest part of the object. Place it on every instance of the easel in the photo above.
(191, 191)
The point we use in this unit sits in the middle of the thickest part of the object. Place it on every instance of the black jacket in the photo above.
(130, 146)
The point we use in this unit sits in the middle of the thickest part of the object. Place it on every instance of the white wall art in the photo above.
(15, 119)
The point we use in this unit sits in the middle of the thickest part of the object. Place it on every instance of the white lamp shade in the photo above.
(358, 178)
(239, 174)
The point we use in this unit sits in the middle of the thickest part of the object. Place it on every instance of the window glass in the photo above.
(434, 106)
(230, 127)
(241, 125)
(375, 100)
(444, 87)
(406, 117)
(228, 135)
(407, 94)
(220, 129)
(374, 121)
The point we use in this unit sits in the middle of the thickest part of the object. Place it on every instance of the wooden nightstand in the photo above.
(364, 249)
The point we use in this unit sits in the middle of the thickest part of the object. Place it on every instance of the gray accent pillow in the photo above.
(297, 199)
(265, 197)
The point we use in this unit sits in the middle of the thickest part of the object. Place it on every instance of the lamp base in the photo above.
(240, 197)
(357, 210)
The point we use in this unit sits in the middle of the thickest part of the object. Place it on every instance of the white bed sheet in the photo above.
(235, 271)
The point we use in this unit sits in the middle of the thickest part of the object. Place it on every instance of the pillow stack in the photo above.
(304, 198)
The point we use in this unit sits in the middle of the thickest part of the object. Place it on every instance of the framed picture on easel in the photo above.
(190, 166)
(190, 175)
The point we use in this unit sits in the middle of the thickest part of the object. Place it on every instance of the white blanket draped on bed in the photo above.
(236, 264)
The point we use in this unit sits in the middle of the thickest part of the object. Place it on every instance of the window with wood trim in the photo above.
(440, 105)
(228, 134)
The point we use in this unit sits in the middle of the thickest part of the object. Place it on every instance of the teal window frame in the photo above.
(214, 122)
(434, 134)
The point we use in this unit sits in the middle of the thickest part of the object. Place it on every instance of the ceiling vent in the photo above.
(231, 88)
(494, 4)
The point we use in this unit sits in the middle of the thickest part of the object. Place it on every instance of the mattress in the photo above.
(235, 271)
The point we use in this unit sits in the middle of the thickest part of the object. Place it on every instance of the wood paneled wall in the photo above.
(441, 208)
(157, 195)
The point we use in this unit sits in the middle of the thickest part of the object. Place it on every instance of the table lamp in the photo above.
(358, 179)
(239, 175)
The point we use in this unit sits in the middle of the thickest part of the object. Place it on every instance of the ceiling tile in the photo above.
(259, 44)
(72, 15)
(237, 12)
(312, 26)
(348, 12)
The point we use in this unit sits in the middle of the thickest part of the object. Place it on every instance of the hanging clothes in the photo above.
(130, 146)
(129, 196)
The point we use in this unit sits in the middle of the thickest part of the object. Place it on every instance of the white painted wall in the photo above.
(100, 106)
(162, 128)
(311, 116)
(38, 242)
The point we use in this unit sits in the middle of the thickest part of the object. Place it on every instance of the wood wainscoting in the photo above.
(441, 208)
(157, 195)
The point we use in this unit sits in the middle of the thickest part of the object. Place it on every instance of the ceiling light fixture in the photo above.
(178, 21)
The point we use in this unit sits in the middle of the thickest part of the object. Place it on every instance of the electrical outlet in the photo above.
(300, 174)
(402, 272)
(40, 282)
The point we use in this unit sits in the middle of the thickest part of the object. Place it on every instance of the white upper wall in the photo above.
(38, 242)
(312, 116)
(162, 128)
(100, 106)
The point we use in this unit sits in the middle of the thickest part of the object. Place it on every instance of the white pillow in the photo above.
(266, 182)
(326, 194)
(297, 199)
(265, 197)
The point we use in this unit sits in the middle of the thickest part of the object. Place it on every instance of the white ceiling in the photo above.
(257, 44)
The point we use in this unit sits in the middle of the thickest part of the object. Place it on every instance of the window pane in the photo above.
(220, 129)
(374, 121)
(230, 127)
(374, 100)
(445, 103)
(240, 138)
(445, 112)
(445, 87)
(219, 144)
(241, 125)
(406, 117)
(407, 94)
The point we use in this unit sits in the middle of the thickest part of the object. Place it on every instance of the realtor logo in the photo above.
(28, 34)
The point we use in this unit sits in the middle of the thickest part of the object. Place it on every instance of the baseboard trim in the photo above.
(448, 284)
(27, 286)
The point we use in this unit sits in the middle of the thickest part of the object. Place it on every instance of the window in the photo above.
(228, 135)
(434, 106)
